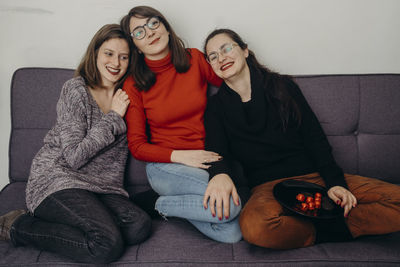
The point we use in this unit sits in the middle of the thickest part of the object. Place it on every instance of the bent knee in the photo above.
(139, 230)
(106, 248)
(279, 232)
(235, 236)
(228, 232)
(253, 228)
(258, 236)
(164, 177)
(234, 210)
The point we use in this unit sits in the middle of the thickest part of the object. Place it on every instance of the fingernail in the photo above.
(213, 215)
(227, 217)
(338, 202)
(220, 218)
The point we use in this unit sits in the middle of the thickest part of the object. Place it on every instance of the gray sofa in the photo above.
(359, 113)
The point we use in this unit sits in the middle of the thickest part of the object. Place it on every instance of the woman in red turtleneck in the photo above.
(168, 93)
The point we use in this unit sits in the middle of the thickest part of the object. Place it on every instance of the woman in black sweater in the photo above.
(262, 120)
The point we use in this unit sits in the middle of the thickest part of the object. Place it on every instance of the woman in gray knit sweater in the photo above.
(75, 196)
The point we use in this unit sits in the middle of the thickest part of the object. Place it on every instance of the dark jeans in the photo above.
(84, 226)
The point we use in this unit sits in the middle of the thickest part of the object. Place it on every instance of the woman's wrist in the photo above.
(175, 156)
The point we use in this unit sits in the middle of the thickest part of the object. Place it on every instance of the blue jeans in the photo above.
(82, 225)
(181, 189)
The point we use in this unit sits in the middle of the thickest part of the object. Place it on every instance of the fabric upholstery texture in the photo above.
(359, 113)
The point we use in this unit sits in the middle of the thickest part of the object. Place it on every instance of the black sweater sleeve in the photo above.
(216, 139)
(316, 142)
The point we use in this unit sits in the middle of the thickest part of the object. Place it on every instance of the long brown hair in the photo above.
(87, 68)
(143, 76)
(275, 83)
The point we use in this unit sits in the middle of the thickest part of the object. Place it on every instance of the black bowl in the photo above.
(286, 191)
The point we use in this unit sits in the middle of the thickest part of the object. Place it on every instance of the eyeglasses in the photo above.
(224, 50)
(140, 32)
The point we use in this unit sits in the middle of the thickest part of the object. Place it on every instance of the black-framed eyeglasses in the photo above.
(224, 50)
(140, 32)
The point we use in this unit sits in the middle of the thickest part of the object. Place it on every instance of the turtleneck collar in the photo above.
(255, 83)
(160, 65)
(249, 117)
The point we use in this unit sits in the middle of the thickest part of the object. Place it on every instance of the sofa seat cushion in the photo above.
(365, 251)
(20, 256)
(176, 242)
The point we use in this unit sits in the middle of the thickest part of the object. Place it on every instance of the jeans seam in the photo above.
(38, 236)
(59, 203)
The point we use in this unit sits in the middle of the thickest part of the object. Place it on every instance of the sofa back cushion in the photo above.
(34, 95)
(359, 113)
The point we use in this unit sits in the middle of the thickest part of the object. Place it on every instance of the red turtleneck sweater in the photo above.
(173, 108)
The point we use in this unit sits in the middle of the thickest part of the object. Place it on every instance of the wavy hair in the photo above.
(275, 83)
(144, 78)
(87, 68)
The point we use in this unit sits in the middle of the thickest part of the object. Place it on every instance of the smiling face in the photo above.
(229, 64)
(112, 61)
(154, 45)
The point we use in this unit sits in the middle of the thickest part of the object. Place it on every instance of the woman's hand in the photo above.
(343, 197)
(195, 158)
(120, 102)
(219, 190)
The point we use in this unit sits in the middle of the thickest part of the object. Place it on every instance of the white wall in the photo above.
(290, 36)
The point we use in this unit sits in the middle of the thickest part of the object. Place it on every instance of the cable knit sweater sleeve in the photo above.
(79, 141)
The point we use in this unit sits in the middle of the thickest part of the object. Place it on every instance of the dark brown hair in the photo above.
(275, 83)
(144, 78)
(87, 69)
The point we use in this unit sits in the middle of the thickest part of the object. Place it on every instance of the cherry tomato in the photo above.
(317, 204)
(304, 207)
(300, 197)
(309, 199)
(317, 199)
(318, 195)
(311, 205)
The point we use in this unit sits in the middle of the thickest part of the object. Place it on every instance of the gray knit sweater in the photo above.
(86, 149)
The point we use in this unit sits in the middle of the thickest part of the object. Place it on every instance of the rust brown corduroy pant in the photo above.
(264, 223)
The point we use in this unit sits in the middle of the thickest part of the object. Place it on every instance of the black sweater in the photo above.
(251, 133)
